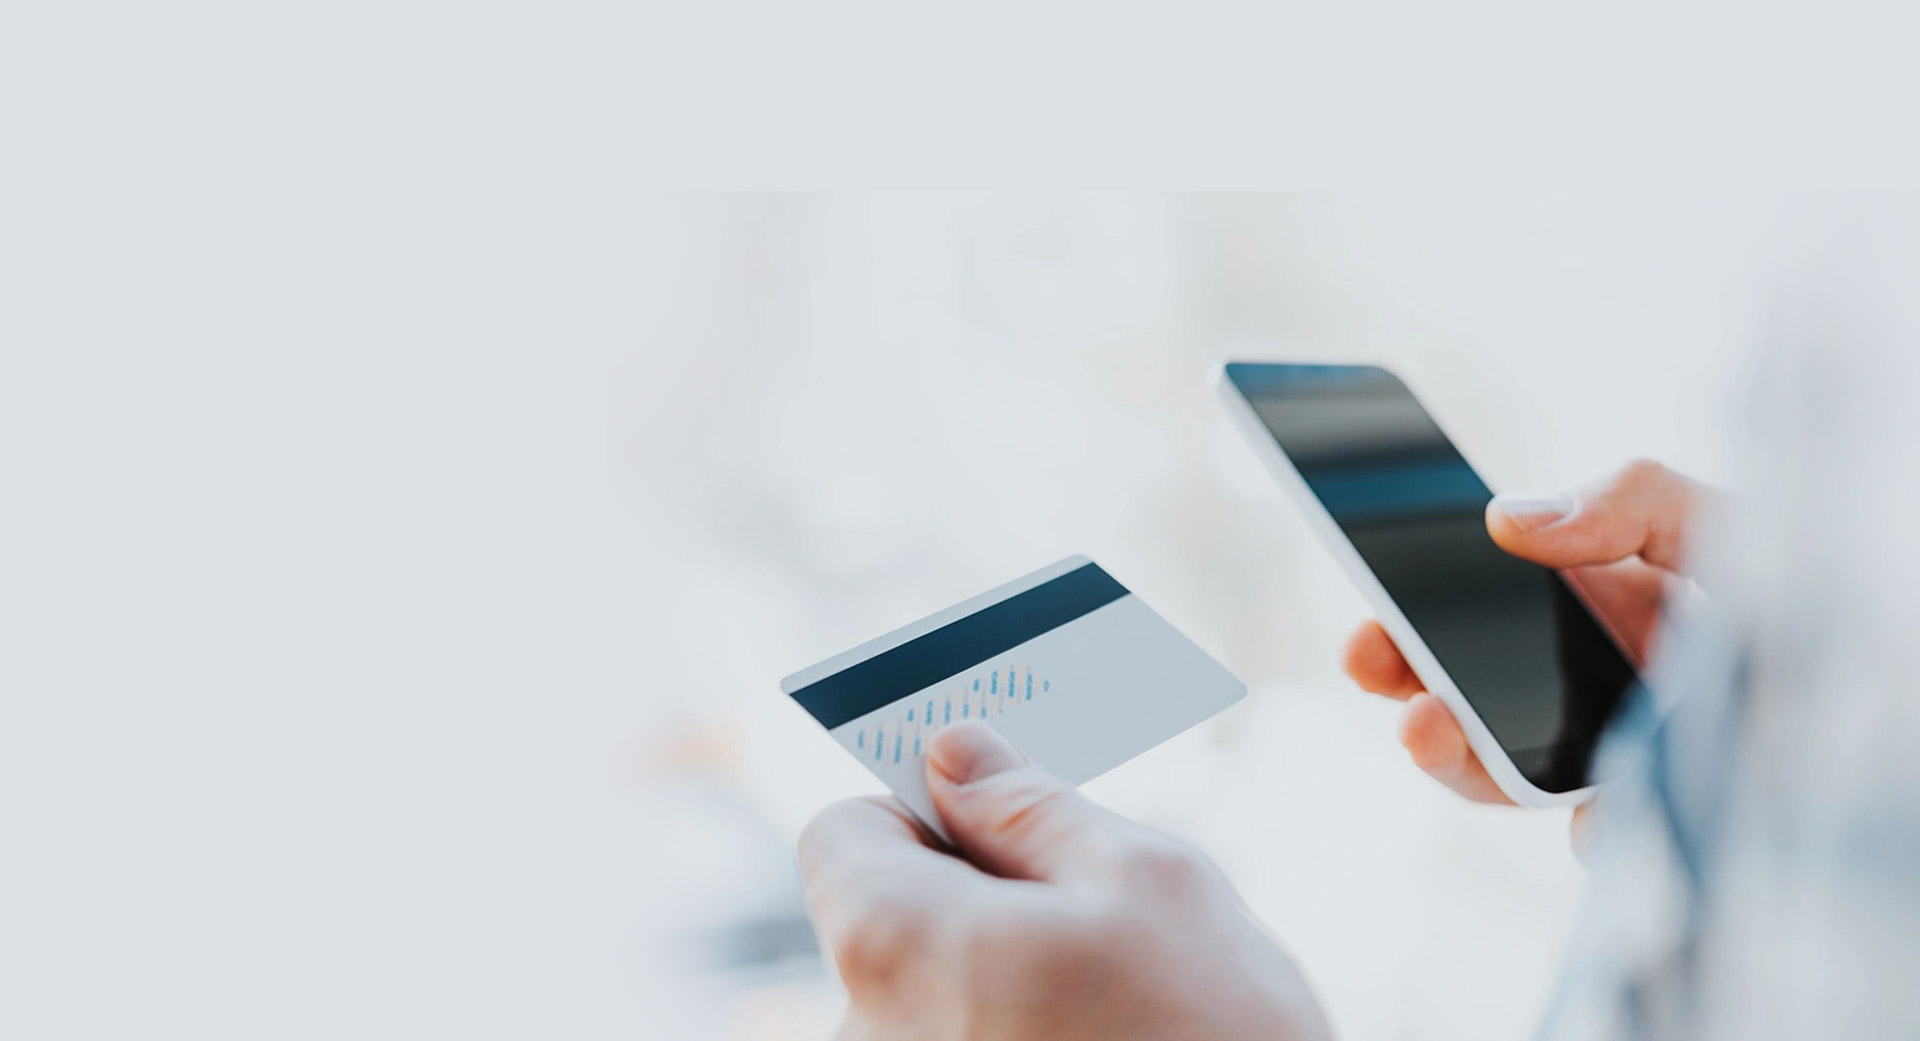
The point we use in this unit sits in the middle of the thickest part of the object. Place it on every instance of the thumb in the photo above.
(1007, 815)
(1645, 510)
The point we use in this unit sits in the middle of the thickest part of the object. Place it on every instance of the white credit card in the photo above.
(1066, 663)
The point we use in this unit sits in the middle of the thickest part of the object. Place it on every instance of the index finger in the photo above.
(862, 854)
(1644, 510)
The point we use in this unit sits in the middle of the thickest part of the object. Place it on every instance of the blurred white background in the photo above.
(871, 406)
(400, 569)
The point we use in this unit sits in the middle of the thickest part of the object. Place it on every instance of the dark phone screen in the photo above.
(1522, 648)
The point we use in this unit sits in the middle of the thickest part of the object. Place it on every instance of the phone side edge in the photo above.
(1425, 665)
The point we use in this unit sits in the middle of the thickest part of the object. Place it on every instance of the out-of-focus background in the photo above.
(870, 406)
(406, 538)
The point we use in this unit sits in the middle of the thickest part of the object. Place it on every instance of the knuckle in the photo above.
(1640, 474)
(1158, 865)
(1023, 803)
(889, 936)
(817, 838)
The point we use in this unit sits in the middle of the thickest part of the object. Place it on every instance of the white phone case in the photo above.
(1424, 664)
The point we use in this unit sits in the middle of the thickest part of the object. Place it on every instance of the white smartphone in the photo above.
(1511, 647)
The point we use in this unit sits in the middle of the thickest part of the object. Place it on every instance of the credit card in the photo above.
(1066, 663)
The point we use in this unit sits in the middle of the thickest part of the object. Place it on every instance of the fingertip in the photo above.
(1431, 736)
(1512, 519)
(1356, 658)
(966, 752)
(1501, 528)
(1438, 746)
(1372, 661)
(1580, 830)
(1356, 655)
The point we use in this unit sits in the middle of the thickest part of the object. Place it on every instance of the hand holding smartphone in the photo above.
(1510, 646)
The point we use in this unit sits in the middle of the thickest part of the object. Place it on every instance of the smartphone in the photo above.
(1532, 675)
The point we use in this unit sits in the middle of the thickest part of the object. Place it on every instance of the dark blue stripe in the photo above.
(957, 646)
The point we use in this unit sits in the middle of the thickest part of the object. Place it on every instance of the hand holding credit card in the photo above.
(1066, 663)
